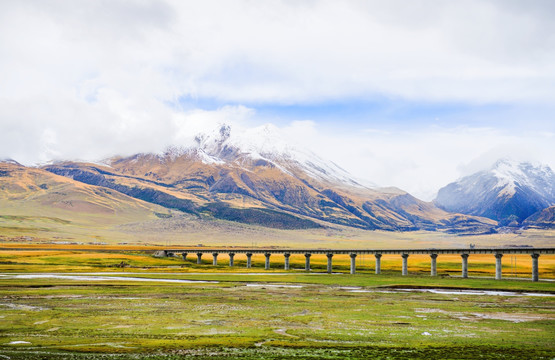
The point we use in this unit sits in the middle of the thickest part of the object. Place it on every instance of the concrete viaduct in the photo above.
(464, 253)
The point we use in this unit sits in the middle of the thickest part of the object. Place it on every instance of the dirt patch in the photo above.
(430, 311)
(514, 317)
(23, 307)
(284, 332)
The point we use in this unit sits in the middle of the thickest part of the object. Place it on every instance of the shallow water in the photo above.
(275, 286)
(454, 292)
(101, 278)
(183, 273)
(353, 289)
(18, 342)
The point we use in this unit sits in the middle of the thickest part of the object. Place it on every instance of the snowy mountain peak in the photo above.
(512, 174)
(261, 145)
(260, 142)
(509, 191)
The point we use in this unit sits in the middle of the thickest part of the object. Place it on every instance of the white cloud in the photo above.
(89, 79)
(285, 51)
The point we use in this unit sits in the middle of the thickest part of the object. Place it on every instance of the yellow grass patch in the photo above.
(449, 264)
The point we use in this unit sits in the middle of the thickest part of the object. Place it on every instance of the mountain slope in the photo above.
(38, 205)
(543, 219)
(264, 181)
(508, 192)
(35, 192)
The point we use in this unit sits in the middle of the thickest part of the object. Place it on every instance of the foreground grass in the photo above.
(317, 318)
(254, 316)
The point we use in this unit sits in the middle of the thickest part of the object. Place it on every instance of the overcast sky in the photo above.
(412, 94)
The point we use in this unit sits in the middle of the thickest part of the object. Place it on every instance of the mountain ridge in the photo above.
(260, 182)
(255, 177)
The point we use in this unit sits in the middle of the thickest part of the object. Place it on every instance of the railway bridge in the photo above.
(404, 253)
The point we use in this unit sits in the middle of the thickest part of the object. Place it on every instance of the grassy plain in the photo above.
(253, 314)
(19, 224)
(256, 317)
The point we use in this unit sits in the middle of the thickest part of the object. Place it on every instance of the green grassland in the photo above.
(66, 319)
(253, 314)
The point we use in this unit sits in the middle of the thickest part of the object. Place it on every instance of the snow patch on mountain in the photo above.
(511, 174)
(9, 161)
(227, 145)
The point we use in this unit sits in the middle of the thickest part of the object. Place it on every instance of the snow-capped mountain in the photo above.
(256, 177)
(508, 192)
(260, 145)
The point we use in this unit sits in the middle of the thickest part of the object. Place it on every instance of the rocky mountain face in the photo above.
(508, 192)
(256, 178)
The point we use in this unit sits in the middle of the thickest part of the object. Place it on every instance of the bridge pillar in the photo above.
(378, 263)
(353, 263)
(464, 265)
(286, 264)
(329, 255)
(184, 256)
(498, 271)
(249, 258)
(433, 267)
(215, 259)
(535, 272)
(307, 261)
(199, 258)
(231, 256)
(267, 263)
(405, 270)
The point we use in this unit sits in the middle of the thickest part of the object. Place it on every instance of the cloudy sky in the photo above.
(407, 93)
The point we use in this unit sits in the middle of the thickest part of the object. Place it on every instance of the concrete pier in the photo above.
(498, 271)
(353, 263)
(215, 259)
(405, 270)
(286, 263)
(330, 256)
(184, 256)
(199, 258)
(267, 262)
(307, 261)
(378, 263)
(535, 272)
(433, 267)
(249, 262)
(231, 256)
(464, 265)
